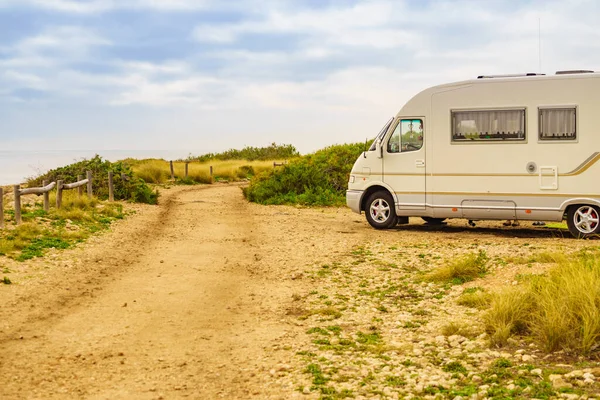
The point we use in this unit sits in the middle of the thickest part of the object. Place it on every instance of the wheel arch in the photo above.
(581, 201)
(375, 188)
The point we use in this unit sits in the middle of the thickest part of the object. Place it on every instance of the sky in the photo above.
(210, 75)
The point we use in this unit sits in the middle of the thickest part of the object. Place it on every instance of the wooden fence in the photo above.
(60, 187)
(275, 164)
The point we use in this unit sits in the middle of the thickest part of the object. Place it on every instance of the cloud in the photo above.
(102, 6)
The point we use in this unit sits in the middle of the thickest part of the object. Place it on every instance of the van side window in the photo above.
(488, 125)
(558, 124)
(407, 136)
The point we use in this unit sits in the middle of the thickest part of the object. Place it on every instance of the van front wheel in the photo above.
(380, 212)
(583, 221)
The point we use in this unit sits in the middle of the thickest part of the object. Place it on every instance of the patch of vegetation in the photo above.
(272, 152)
(320, 178)
(58, 228)
(455, 367)
(475, 297)
(462, 269)
(560, 310)
(133, 189)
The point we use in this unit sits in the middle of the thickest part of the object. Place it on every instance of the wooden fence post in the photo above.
(17, 204)
(89, 184)
(172, 170)
(80, 188)
(59, 192)
(111, 187)
(46, 197)
(1, 208)
(211, 172)
(186, 170)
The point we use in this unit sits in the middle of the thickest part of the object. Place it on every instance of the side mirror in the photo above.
(378, 148)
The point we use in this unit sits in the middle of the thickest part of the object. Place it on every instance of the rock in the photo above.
(536, 371)
(558, 382)
(527, 358)
(574, 374)
(588, 381)
(570, 396)
(440, 339)
(306, 390)
(511, 386)
(476, 379)
(588, 375)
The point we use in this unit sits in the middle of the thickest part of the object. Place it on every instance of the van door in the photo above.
(404, 163)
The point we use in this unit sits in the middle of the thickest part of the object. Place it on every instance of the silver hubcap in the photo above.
(380, 210)
(586, 219)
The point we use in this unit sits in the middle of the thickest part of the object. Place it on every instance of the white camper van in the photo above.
(497, 147)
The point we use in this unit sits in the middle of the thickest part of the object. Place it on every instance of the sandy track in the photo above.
(185, 306)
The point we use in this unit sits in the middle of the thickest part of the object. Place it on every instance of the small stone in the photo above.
(527, 358)
(588, 381)
(536, 371)
(570, 396)
(558, 382)
(476, 379)
(511, 386)
(574, 374)
(588, 375)
(306, 390)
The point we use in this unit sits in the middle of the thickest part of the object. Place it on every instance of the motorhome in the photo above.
(512, 147)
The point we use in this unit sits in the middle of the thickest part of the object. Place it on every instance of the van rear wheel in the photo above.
(381, 212)
(583, 221)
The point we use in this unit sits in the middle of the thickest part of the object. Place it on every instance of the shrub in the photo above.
(461, 269)
(134, 189)
(272, 152)
(320, 178)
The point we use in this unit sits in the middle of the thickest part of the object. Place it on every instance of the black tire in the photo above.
(583, 221)
(380, 210)
(433, 221)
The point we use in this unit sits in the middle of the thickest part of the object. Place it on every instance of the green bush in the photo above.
(272, 152)
(320, 178)
(134, 189)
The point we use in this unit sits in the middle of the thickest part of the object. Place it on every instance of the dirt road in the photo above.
(181, 300)
(200, 297)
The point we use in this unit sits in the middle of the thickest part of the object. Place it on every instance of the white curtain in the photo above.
(493, 122)
(557, 123)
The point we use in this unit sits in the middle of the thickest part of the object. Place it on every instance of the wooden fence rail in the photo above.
(66, 186)
(19, 192)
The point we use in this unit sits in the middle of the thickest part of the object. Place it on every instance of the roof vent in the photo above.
(508, 76)
(574, 71)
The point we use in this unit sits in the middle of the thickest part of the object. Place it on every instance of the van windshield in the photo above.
(381, 133)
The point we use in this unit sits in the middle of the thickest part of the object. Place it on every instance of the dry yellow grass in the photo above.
(158, 171)
(561, 310)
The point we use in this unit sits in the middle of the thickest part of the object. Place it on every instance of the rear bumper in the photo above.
(353, 198)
